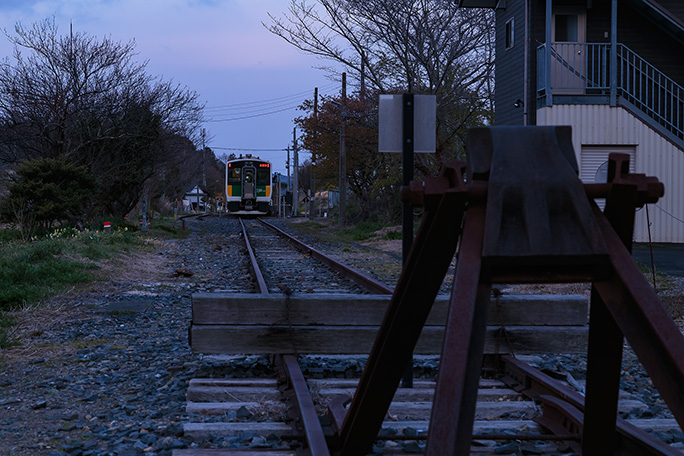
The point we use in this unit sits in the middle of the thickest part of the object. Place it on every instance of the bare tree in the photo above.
(89, 101)
(419, 46)
(427, 46)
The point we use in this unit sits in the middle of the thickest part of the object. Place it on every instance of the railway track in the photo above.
(293, 267)
(295, 415)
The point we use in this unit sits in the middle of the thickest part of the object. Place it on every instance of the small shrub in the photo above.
(361, 231)
(392, 235)
(9, 235)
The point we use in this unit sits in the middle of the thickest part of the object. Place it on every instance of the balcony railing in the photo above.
(584, 69)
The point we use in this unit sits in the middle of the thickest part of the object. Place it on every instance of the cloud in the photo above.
(220, 34)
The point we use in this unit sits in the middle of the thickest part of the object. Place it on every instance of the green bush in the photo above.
(7, 236)
(46, 190)
(361, 231)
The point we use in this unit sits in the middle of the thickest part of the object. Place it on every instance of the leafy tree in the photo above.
(373, 178)
(46, 191)
(87, 101)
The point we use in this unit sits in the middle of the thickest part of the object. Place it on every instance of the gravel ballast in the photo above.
(104, 370)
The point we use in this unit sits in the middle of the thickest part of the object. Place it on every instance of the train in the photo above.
(248, 186)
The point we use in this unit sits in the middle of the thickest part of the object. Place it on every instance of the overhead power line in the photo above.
(231, 119)
(273, 100)
(249, 110)
(244, 149)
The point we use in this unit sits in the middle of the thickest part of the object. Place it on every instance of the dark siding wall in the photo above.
(650, 43)
(598, 22)
(675, 7)
(509, 71)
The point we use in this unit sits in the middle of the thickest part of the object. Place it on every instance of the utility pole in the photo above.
(312, 197)
(204, 168)
(295, 170)
(343, 152)
(287, 187)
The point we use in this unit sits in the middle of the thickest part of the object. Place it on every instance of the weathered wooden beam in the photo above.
(362, 310)
(283, 339)
(240, 452)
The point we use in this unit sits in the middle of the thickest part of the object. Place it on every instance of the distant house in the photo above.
(614, 71)
(194, 200)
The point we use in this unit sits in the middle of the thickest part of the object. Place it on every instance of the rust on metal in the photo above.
(527, 218)
(409, 307)
(522, 216)
(533, 383)
(311, 425)
(254, 266)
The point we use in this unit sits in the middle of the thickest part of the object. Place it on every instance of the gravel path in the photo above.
(104, 371)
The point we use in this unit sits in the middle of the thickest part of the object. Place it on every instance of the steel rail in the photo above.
(518, 373)
(535, 384)
(313, 431)
(305, 408)
(254, 266)
(366, 282)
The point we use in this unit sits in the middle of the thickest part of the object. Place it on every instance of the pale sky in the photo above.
(217, 48)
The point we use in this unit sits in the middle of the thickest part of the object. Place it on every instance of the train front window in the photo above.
(263, 176)
(234, 175)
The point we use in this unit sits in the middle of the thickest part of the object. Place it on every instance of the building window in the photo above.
(509, 33)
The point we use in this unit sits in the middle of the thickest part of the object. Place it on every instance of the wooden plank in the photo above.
(480, 426)
(222, 390)
(401, 409)
(218, 452)
(483, 411)
(234, 382)
(321, 310)
(423, 394)
(317, 383)
(359, 339)
(417, 383)
(232, 394)
(219, 408)
(201, 430)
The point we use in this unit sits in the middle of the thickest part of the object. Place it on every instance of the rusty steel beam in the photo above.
(411, 302)
(254, 266)
(313, 431)
(648, 327)
(364, 281)
(604, 352)
(453, 410)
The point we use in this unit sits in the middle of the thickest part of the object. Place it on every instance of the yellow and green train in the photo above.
(248, 186)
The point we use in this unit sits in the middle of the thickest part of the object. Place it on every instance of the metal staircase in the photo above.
(583, 70)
